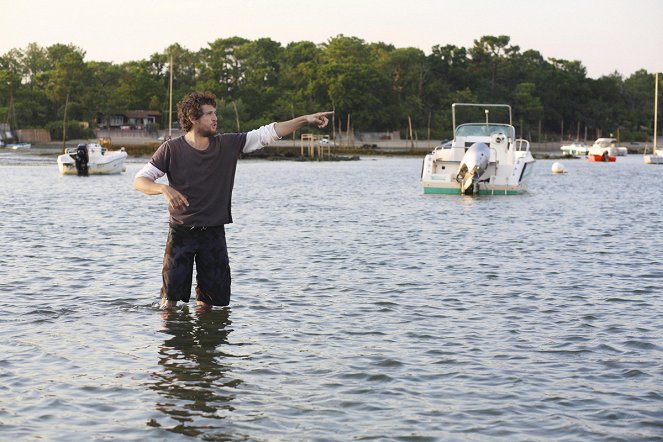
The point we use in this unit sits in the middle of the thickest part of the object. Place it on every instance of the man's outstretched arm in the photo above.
(284, 128)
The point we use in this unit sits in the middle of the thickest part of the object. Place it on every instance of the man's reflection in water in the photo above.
(194, 382)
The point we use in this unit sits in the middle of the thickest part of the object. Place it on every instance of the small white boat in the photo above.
(483, 158)
(576, 149)
(91, 159)
(18, 146)
(655, 158)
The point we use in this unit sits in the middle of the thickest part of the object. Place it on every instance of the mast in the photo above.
(170, 107)
(655, 110)
(64, 125)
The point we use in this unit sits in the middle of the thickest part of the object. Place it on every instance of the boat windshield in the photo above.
(607, 143)
(484, 130)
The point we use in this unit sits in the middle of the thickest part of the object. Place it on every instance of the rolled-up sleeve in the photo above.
(259, 138)
(150, 171)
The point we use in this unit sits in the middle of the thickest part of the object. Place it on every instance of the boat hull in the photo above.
(113, 164)
(575, 150)
(653, 159)
(496, 190)
(602, 158)
(508, 180)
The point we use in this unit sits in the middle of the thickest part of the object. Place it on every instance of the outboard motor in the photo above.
(82, 160)
(474, 164)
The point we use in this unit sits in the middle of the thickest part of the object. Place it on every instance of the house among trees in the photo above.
(132, 119)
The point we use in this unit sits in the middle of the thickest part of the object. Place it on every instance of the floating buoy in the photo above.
(558, 168)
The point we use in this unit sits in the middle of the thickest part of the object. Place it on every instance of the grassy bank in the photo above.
(294, 153)
(285, 149)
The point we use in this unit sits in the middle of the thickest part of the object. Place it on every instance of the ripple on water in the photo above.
(361, 310)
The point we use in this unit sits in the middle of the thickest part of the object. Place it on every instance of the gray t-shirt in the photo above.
(204, 177)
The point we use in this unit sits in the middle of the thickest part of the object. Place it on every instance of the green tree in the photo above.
(489, 54)
(353, 85)
(639, 101)
(605, 108)
(139, 83)
(66, 80)
(299, 86)
(527, 107)
(221, 70)
(105, 99)
(409, 72)
(259, 60)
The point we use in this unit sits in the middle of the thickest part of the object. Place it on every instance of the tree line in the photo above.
(373, 86)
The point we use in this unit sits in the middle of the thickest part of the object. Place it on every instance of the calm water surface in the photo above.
(362, 309)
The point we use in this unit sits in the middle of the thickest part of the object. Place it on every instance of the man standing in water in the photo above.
(200, 166)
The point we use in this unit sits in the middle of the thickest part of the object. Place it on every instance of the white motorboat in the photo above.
(654, 158)
(604, 149)
(483, 158)
(576, 149)
(91, 159)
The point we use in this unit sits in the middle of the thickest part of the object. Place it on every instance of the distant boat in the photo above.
(483, 159)
(603, 150)
(17, 146)
(13, 129)
(577, 148)
(91, 159)
(657, 156)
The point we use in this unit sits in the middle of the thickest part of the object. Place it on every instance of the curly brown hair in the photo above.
(190, 108)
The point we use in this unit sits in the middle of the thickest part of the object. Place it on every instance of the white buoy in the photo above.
(558, 168)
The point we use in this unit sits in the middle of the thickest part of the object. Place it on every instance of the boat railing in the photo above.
(435, 150)
(519, 144)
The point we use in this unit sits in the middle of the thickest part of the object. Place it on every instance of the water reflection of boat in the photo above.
(483, 158)
(91, 159)
(577, 148)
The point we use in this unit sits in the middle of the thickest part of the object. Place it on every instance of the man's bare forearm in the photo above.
(284, 128)
(174, 198)
(148, 186)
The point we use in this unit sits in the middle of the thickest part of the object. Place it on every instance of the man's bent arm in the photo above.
(147, 186)
(145, 182)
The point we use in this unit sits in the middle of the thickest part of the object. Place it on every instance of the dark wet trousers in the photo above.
(206, 246)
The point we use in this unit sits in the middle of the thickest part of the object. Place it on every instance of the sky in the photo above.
(604, 35)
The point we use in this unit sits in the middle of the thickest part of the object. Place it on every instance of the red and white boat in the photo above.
(603, 150)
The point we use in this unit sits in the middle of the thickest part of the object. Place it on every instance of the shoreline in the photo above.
(141, 147)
